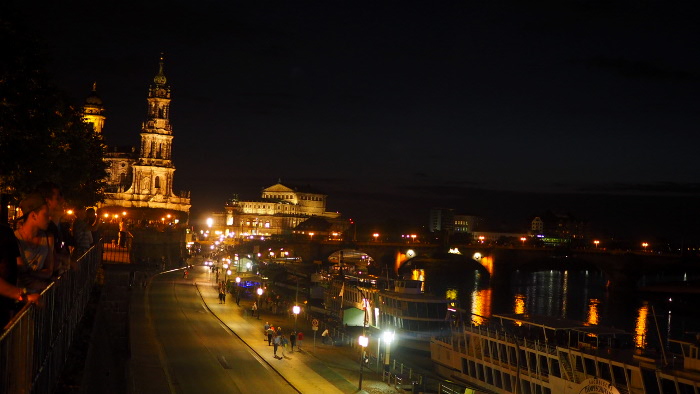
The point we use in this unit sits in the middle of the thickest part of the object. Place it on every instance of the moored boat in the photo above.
(536, 354)
(398, 305)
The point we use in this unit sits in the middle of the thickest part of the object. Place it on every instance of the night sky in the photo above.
(496, 108)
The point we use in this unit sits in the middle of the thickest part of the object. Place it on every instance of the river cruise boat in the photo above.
(540, 355)
(397, 305)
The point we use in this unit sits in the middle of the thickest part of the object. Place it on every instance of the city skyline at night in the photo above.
(502, 110)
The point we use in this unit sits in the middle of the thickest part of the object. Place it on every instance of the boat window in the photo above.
(544, 368)
(590, 366)
(604, 370)
(555, 368)
(497, 378)
(489, 375)
(685, 388)
(619, 375)
(668, 386)
(507, 383)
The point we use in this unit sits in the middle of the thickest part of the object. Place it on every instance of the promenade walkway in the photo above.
(315, 369)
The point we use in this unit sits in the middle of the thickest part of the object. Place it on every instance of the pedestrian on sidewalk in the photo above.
(255, 308)
(265, 328)
(292, 340)
(275, 343)
(222, 295)
(270, 334)
(300, 340)
(285, 343)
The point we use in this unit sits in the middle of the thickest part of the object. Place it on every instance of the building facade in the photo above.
(278, 212)
(142, 177)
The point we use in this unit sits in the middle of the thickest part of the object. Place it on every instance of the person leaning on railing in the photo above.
(11, 296)
(36, 264)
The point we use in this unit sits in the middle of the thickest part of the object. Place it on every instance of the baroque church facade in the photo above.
(142, 177)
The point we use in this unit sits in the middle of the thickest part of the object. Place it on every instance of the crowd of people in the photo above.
(280, 342)
(42, 244)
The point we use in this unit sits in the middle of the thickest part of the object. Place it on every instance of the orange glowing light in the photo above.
(640, 329)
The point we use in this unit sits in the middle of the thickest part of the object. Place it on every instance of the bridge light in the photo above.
(477, 256)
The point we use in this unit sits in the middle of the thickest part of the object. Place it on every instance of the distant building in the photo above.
(143, 177)
(442, 220)
(464, 224)
(556, 228)
(280, 211)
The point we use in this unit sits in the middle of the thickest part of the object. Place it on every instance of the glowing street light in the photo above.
(388, 337)
(376, 236)
(363, 341)
(481, 238)
(238, 290)
(260, 293)
(523, 239)
(296, 310)
(644, 245)
(596, 242)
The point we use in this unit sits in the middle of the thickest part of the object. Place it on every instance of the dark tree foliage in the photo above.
(42, 137)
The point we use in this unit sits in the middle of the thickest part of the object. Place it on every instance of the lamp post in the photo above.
(523, 239)
(388, 337)
(227, 272)
(596, 242)
(260, 292)
(364, 341)
(296, 309)
(644, 245)
(238, 290)
(376, 236)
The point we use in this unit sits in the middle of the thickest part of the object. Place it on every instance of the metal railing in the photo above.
(34, 345)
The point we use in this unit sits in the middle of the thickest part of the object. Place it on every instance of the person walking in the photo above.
(222, 295)
(292, 341)
(276, 341)
(270, 333)
(265, 328)
(300, 340)
(284, 342)
(255, 308)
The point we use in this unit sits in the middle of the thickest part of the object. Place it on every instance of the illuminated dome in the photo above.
(93, 98)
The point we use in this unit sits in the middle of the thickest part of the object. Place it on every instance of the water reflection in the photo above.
(519, 306)
(481, 306)
(593, 312)
(640, 328)
(578, 295)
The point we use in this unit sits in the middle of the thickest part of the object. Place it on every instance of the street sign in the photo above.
(315, 328)
(314, 323)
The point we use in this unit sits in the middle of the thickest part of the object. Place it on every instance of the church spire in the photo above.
(160, 79)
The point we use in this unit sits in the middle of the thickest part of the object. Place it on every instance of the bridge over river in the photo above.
(621, 267)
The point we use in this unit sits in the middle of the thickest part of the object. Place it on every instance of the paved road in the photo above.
(198, 352)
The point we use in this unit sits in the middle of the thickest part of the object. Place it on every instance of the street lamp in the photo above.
(596, 242)
(227, 272)
(364, 341)
(388, 337)
(523, 239)
(296, 309)
(260, 292)
(238, 290)
(644, 245)
(481, 238)
(376, 236)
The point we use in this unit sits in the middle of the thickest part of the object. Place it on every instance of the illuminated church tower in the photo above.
(94, 110)
(152, 172)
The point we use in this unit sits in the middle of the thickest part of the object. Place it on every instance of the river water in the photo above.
(579, 295)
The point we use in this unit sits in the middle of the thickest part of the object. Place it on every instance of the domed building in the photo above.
(142, 178)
